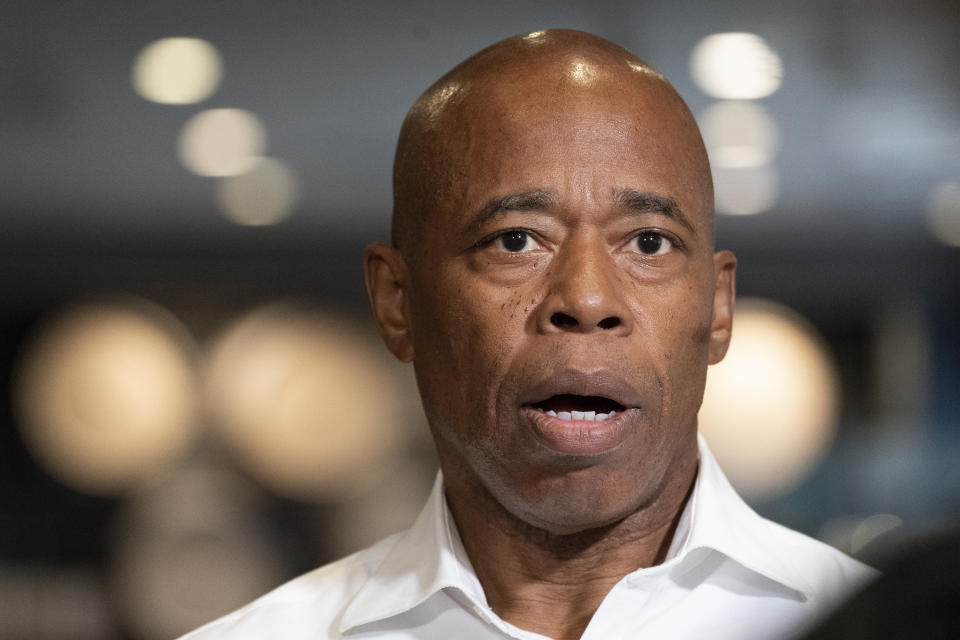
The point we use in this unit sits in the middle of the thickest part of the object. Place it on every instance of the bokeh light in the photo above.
(770, 407)
(304, 401)
(222, 142)
(177, 71)
(744, 191)
(856, 534)
(736, 66)
(872, 528)
(264, 195)
(739, 134)
(389, 506)
(943, 212)
(43, 602)
(106, 395)
(190, 549)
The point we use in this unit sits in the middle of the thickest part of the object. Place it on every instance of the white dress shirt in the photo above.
(729, 574)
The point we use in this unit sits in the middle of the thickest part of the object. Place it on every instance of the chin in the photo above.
(577, 505)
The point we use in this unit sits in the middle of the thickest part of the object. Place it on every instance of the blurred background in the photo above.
(196, 406)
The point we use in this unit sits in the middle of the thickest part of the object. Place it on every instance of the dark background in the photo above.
(94, 202)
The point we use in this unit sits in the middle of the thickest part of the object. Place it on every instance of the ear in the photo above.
(387, 278)
(724, 295)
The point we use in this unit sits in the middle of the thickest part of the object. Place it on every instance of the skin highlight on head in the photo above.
(553, 249)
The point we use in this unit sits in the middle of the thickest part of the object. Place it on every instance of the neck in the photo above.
(553, 584)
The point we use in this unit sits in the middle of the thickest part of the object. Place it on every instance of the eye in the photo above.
(513, 240)
(652, 243)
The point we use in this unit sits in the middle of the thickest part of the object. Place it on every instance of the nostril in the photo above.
(609, 323)
(563, 321)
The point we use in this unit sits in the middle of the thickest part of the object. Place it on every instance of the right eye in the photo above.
(513, 240)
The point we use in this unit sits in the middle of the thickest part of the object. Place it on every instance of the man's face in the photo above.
(562, 305)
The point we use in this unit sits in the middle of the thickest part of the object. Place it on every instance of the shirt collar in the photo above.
(719, 519)
(426, 558)
(430, 557)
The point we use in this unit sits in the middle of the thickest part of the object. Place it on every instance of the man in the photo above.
(552, 278)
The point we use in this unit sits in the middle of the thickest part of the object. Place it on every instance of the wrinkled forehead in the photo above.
(499, 108)
(574, 102)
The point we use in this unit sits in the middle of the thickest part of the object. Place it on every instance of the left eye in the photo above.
(651, 243)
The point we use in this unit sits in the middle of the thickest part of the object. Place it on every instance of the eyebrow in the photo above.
(536, 200)
(647, 202)
(539, 199)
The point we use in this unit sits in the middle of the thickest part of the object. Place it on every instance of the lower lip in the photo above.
(580, 437)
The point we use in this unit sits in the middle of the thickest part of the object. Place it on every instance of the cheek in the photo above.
(689, 362)
(689, 337)
(464, 335)
(680, 329)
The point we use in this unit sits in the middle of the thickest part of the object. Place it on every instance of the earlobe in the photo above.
(724, 295)
(386, 276)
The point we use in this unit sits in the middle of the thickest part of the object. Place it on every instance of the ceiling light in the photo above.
(177, 71)
(736, 66)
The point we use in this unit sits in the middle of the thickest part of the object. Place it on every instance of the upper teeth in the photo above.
(580, 415)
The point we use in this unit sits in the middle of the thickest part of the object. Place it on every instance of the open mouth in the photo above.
(573, 407)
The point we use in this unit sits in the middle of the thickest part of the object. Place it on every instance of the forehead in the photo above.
(575, 125)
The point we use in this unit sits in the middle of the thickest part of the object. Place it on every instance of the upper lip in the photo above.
(602, 383)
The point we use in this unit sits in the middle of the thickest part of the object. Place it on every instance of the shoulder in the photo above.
(830, 575)
(726, 523)
(308, 606)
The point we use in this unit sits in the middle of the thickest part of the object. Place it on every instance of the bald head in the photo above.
(487, 98)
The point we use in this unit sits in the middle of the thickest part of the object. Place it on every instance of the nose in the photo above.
(585, 292)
